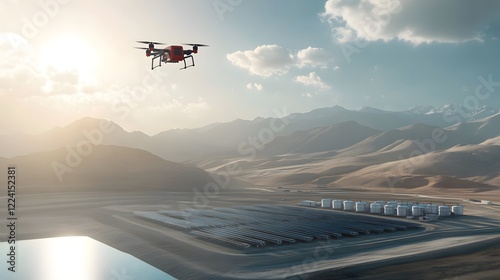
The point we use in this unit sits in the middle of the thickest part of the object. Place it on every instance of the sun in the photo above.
(68, 53)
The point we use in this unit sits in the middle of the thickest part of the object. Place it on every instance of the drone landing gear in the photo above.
(192, 62)
(153, 61)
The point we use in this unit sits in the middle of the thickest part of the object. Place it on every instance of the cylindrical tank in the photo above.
(393, 204)
(337, 204)
(417, 211)
(457, 210)
(361, 206)
(431, 209)
(367, 207)
(376, 208)
(443, 210)
(390, 210)
(326, 203)
(402, 211)
(349, 205)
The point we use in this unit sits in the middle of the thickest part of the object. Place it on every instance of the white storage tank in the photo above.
(417, 211)
(349, 205)
(376, 208)
(326, 203)
(431, 209)
(402, 211)
(367, 207)
(390, 210)
(337, 204)
(443, 211)
(457, 210)
(361, 206)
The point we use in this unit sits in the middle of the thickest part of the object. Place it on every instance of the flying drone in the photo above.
(170, 54)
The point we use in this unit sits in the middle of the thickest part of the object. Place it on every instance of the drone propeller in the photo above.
(195, 46)
(199, 45)
(156, 50)
(151, 45)
(150, 52)
(149, 42)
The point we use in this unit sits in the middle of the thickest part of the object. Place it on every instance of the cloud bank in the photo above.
(416, 22)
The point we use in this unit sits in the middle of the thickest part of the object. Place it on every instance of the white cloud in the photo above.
(312, 80)
(269, 60)
(255, 86)
(423, 21)
(312, 57)
(266, 60)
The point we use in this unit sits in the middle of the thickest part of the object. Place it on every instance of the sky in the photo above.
(62, 60)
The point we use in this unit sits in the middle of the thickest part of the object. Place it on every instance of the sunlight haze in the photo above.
(65, 60)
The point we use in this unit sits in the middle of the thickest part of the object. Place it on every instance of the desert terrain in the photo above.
(79, 180)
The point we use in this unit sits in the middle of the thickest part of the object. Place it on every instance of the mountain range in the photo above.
(223, 139)
(423, 147)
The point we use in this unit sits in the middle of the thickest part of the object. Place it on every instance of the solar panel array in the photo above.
(261, 225)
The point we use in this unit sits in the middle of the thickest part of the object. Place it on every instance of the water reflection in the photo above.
(75, 258)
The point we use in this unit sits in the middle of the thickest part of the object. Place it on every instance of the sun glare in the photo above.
(68, 53)
(69, 258)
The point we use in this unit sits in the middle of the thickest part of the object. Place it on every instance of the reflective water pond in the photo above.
(76, 258)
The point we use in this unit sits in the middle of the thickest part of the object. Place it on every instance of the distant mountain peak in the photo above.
(452, 109)
(90, 123)
(86, 121)
(368, 109)
(421, 109)
(337, 108)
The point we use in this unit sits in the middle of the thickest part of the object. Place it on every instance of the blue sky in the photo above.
(62, 60)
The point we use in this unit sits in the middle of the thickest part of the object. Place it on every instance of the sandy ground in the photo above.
(108, 217)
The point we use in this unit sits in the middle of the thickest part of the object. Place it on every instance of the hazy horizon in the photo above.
(460, 113)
